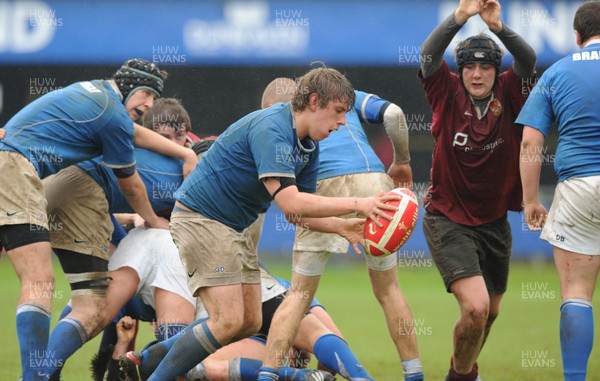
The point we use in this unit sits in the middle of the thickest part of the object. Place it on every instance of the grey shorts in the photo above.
(461, 251)
(78, 213)
(212, 253)
(22, 199)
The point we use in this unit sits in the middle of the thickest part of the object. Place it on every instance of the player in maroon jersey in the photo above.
(475, 170)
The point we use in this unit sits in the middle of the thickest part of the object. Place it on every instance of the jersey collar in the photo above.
(304, 143)
(481, 113)
(307, 145)
(593, 41)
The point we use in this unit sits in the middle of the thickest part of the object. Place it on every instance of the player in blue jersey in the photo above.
(81, 199)
(566, 94)
(81, 121)
(350, 167)
(268, 154)
(242, 358)
(170, 119)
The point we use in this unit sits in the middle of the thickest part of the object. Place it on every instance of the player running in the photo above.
(474, 176)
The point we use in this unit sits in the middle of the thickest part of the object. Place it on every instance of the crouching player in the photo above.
(242, 360)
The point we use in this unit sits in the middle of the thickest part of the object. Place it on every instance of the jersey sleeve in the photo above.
(117, 142)
(438, 87)
(369, 107)
(272, 149)
(537, 111)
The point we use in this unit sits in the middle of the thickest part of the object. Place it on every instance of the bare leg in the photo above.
(492, 315)
(122, 287)
(578, 275)
(474, 303)
(397, 312)
(287, 318)
(226, 306)
(172, 308)
(33, 266)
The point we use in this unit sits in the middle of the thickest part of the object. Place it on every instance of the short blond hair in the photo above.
(329, 85)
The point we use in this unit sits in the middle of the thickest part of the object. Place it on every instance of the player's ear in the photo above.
(313, 101)
(578, 39)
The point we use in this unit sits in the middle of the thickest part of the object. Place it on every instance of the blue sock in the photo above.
(67, 310)
(244, 369)
(166, 331)
(152, 356)
(33, 327)
(267, 374)
(334, 353)
(294, 374)
(576, 337)
(192, 347)
(66, 338)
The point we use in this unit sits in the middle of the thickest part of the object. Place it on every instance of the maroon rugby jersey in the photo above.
(474, 177)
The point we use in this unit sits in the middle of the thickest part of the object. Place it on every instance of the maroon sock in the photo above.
(471, 376)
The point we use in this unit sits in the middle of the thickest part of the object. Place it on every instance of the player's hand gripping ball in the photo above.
(385, 240)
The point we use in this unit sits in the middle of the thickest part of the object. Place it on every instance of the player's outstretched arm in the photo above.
(467, 9)
(126, 332)
(491, 15)
(432, 50)
(295, 203)
(146, 138)
(523, 53)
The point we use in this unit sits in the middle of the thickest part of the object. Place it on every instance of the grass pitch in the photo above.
(524, 343)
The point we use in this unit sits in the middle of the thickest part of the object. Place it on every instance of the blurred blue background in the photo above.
(278, 32)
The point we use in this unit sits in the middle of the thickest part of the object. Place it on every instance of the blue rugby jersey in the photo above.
(347, 150)
(567, 93)
(161, 175)
(70, 125)
(227, 185)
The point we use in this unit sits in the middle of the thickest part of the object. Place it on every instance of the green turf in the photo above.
(524, 343)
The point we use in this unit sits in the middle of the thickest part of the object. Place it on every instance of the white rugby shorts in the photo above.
(152, 254)
(573, 222)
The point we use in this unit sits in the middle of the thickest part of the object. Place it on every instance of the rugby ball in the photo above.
(385, 240)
